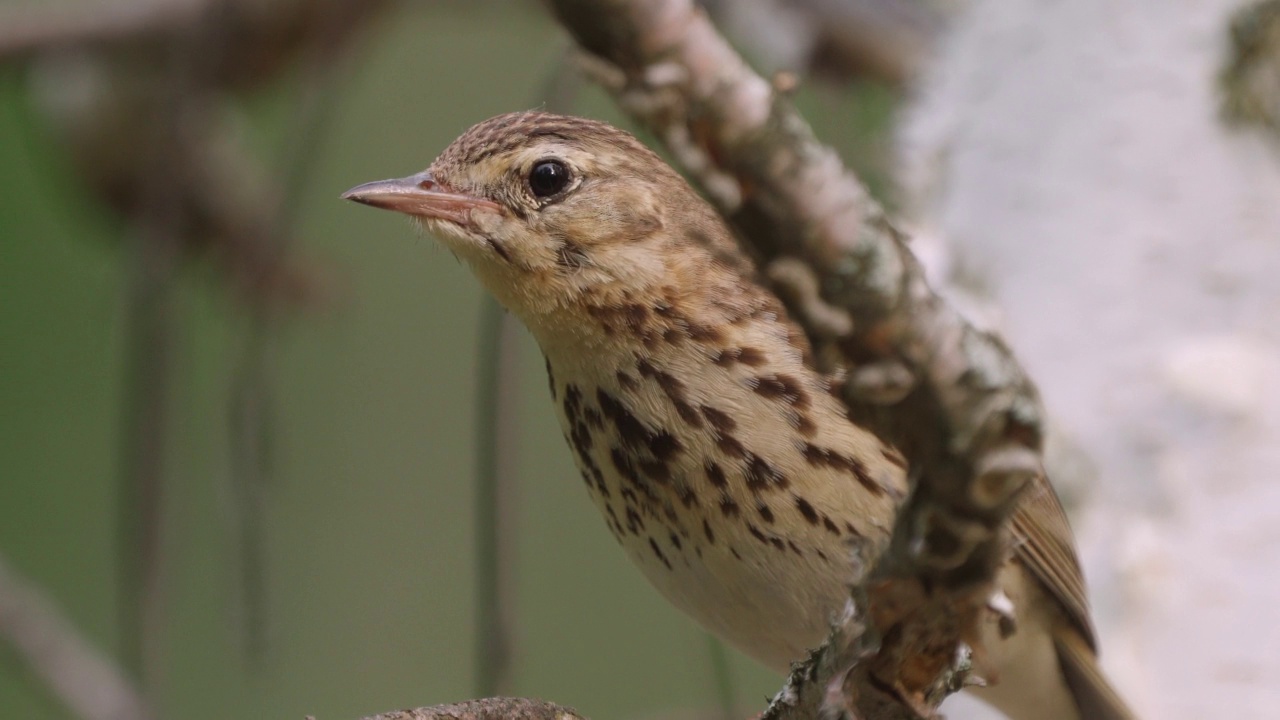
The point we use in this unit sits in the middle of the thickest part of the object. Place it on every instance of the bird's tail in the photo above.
(1094, 696)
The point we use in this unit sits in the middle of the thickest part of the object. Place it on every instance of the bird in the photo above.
(723, 462)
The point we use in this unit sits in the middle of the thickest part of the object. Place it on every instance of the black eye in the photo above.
(548, 177)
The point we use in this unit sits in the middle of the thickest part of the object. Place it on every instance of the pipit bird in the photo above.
(722, 461)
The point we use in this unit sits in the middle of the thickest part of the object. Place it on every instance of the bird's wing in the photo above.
(1095, 698)
(1044, 545)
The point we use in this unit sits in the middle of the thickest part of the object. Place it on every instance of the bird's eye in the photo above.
(548, 177)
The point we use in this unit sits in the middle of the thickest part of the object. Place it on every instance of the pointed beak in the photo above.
(422, 196)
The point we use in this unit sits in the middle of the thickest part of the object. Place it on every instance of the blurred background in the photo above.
(238, 417)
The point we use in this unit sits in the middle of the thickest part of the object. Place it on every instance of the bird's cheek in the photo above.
(447, 232)
(476, 235)
(489, 223)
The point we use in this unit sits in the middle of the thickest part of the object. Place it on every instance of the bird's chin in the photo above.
(461, 241)
(450, 234)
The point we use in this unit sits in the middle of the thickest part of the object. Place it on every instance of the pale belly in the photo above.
(766, 572)
(769, 603)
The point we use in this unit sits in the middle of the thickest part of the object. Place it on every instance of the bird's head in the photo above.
(549, 210)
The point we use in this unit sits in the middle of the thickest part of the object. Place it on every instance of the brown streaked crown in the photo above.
(503, 134)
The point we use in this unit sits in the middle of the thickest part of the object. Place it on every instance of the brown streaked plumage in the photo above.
(720, 459)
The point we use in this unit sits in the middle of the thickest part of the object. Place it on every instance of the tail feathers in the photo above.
(1094, 696)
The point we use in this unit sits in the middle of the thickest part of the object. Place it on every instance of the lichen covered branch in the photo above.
(951, 397)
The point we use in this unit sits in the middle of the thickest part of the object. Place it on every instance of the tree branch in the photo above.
(488, 709)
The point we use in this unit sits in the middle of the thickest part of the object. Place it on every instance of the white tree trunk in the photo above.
(1066, 167)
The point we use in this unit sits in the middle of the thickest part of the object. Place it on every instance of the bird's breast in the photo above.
(730, 475)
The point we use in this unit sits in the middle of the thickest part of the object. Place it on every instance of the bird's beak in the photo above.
(422, 196)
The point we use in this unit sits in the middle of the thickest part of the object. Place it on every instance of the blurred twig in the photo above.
(79, 674)
(252, 406)
(145, 431)
(159, 243)
(497, 455)
(497, 432)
